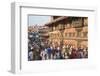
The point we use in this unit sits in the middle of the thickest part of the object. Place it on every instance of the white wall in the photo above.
(5, 33)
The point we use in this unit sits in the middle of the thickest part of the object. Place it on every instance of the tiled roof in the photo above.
(56, 20)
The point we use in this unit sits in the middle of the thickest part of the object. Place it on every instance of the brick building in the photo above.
(65, 30)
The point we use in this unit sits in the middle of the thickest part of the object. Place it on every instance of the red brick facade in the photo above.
(72, 30)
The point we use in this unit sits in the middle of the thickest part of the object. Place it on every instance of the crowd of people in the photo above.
(46, 51)
(67, 52)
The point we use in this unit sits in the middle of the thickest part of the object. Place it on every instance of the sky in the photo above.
(39, 20)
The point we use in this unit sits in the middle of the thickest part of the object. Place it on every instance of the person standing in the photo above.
(63, 51)
(85, 53)
(49, 52)
(73, 54)
(58, 53)
(30, 55)
(43, 55)
(81, 53)
(46, 56)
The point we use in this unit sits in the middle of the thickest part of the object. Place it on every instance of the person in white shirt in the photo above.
(43, 55)
(30, 56)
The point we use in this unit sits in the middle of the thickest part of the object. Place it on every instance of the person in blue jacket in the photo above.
(49, 51)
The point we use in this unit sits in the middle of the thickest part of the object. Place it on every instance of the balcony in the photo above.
(77, 23)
